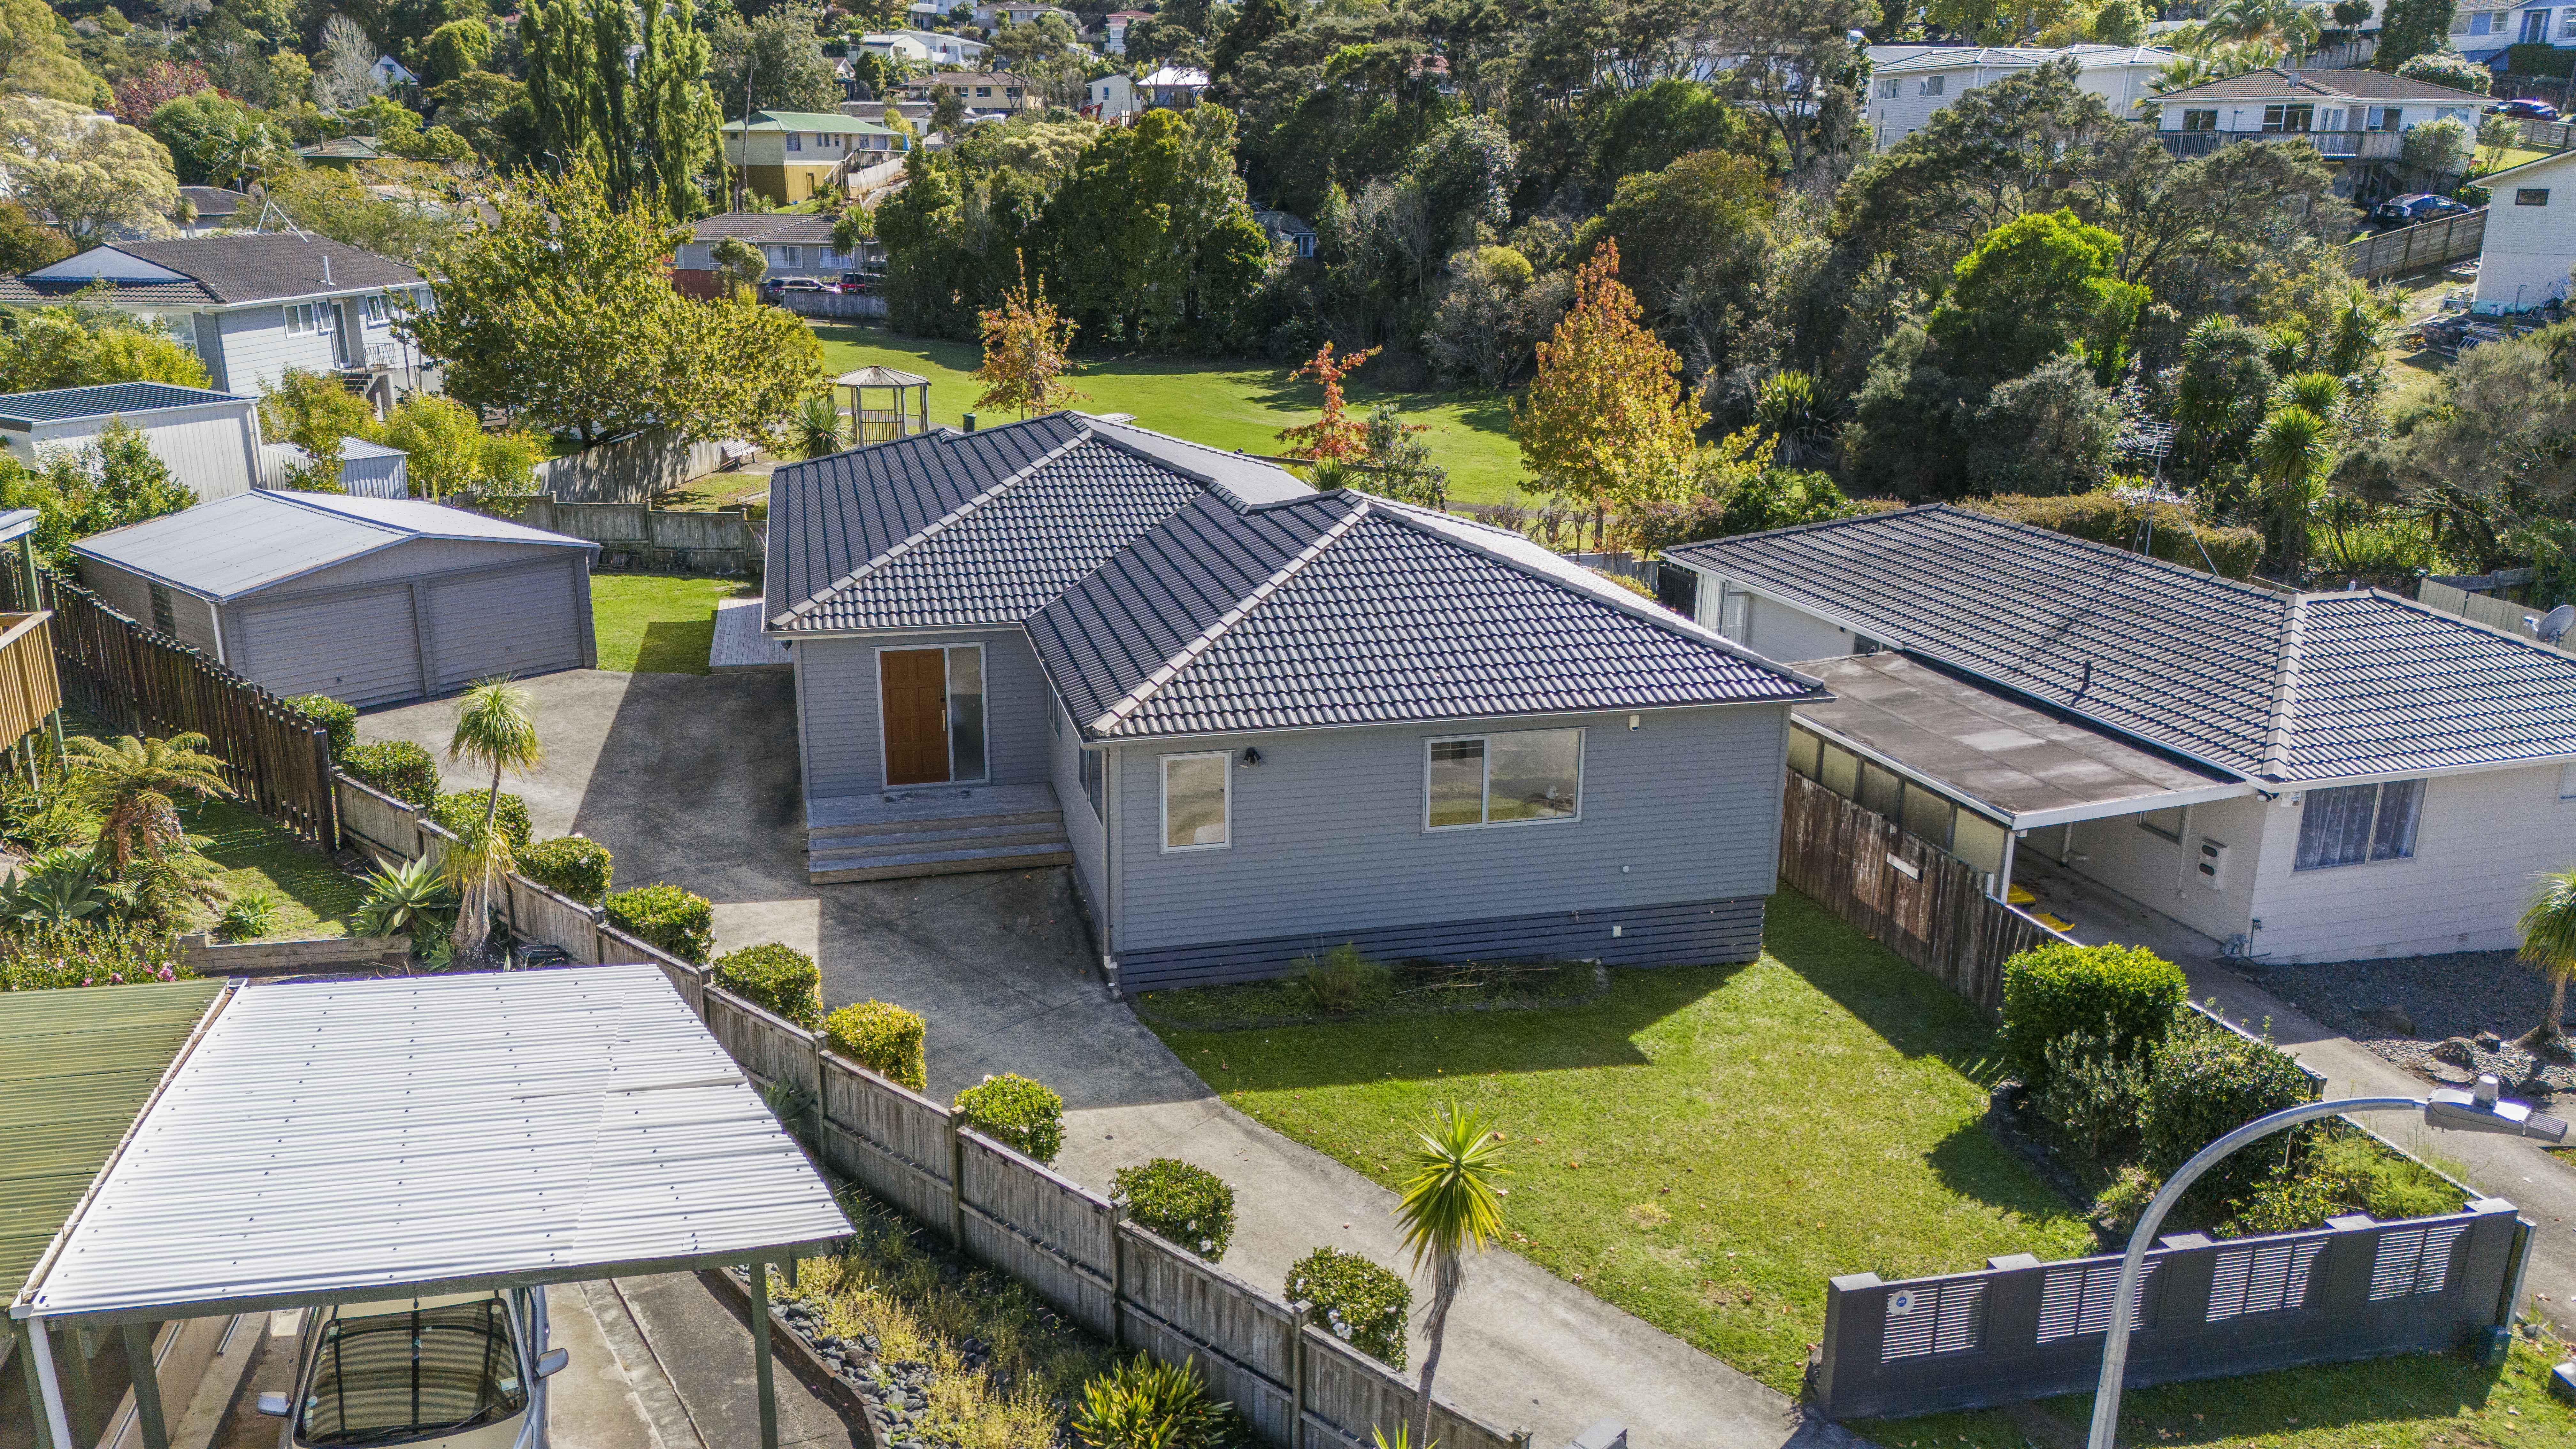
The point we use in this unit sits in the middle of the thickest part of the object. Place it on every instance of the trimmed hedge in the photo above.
(460, 811)
(2203, 1083)
(399, 768)
(2103, 516)
(2545, 60)
(570, 865)
(2126, 993)
(882, 1037)
(1183, 1204)
(1354, 1300)
(338, 718)
(778, 978)
(1023, 1115)
(665, 916)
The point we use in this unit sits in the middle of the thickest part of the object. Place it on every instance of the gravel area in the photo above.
(2445, 1017)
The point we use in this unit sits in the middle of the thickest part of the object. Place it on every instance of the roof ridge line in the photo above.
(2275, 761)
(1134, 699)
(920, 535)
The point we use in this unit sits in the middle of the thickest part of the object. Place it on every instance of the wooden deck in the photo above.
(933, 830)
(738, 643)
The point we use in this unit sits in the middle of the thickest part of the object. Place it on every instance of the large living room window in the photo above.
(2353, 824)
(1520, 778)
(1198, 801)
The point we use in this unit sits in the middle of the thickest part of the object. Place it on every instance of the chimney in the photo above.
(970, 422)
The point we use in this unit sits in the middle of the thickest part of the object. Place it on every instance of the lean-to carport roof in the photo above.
(337, 1141)
(255, 540)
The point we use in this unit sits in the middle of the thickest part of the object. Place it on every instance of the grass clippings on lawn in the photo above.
(656, 623)
(1412, 988)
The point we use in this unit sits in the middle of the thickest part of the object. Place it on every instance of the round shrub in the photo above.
(1023, 1115)
(1354, 1300)
(460, 811)
(777, 978)
(666, 918)
(2203, 1083)
(396, 767)
(882, 1037)
(570, 865)
(2126, 994)
(1174, 1201)
(341, 720)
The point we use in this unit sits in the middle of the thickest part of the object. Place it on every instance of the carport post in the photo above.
(49, 1390)
(35, 1384)
(146, 1376)
(760, 1355)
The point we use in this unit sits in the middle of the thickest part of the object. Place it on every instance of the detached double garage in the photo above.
(369, 600)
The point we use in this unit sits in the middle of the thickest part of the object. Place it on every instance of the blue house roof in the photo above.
(108, 399)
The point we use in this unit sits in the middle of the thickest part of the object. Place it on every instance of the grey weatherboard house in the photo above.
(1258, 720)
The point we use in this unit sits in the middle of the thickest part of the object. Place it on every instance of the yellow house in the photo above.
(788, 156)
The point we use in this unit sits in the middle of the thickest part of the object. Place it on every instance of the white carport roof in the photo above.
(336, 1141)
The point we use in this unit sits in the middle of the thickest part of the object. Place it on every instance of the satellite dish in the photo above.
(2555, 626)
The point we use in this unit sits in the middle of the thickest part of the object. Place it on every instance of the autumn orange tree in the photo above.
(1335, 437)
(1605, 421)
(1026, 342)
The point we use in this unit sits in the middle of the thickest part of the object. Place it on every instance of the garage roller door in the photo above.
(360, 648)
(521, 622)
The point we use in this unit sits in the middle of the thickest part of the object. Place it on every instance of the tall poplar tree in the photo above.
(562, 70)
(612, 29)
(675, 109)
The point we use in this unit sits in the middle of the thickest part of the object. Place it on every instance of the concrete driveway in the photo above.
(693, 779)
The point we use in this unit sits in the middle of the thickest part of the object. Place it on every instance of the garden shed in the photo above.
(209, 439)
(368, 600)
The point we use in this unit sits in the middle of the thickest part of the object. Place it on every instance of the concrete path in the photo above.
(693, 780)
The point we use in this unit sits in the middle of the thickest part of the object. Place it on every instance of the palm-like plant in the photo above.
(2293, 450)
(2320, 393)
(132, 785)
(2549, 942)
(409, 900)
(817, 426)
(493, 729)
(1791, 408)
(1449, 1208)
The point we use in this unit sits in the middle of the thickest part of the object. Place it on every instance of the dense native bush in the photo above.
(571, 865)
(882, 1037)
(460, 812)
(1353, 1299)
(396, 767)
(1023, 1115)
(2126, 993)
(338, 718)
(1180, 1203)
(777, 978)
(2113, 516)
(667, 917)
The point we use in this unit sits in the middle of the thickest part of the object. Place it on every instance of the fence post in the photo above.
(1117, 1276)
(822, 1118)
(957, 1180)
(1297, 1379)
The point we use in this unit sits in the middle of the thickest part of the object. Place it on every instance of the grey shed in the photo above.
(368, 600)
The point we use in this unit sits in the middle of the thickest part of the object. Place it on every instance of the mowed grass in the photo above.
(1224, 404)
(314, 897)
(1704, 1146)
(656, 623)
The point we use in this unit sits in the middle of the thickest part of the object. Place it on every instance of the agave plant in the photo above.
(409, 900)
(57, 888)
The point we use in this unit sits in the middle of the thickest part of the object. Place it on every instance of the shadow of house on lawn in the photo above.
(1908, 1009)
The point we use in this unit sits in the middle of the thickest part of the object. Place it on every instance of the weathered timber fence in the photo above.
(638, 536)
(276, 760)
(294, 958)
(630, 469)
(834, 306)
(2425, 244)
(1068, 1243)
(2022, 1329)
(2486, 609)
(1919, 901)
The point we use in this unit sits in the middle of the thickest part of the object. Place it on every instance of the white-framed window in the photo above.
(1523, 777)
(2167, 823)
(2567, 781)
(1890, 87)
(2567, 24)
(2452, 113)
(2193, 120)
(305, 319)
(1933, 85)
(372, 310)
(795, 141)
(2531, 196)
(1198, 801)
(2382, 118)
(791, 256)
(2354, 824)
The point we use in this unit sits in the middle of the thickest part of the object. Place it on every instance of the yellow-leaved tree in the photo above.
(1605, 422)
(1026, 342)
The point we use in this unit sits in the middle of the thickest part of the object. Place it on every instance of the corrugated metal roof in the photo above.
(75, 1067)
(338, 1140)
(106, 399)
(254, 540)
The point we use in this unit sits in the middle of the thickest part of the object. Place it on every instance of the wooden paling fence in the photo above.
(1921, 902)
(2425, 244)
(2487, 609)
(276, 760)
(1298, 1386)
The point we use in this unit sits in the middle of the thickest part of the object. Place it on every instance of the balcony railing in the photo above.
(2334, 145)
(29, 690)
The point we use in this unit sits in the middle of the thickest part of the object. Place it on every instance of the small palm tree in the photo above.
(493, 729)
(2549, 942)
(2293, 450)
(1449, 1208)
(132, 785)
(472, 866)
(817, 426)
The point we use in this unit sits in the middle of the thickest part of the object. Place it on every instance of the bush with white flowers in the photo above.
(1187, 1205)
(1354, 1300)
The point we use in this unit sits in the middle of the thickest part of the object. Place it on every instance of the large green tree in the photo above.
(774, 59)
(1150, 242)
(2409, 28)
(2035, 287)
(92, 178)
(651, 130)
(33, 59)
(675, 109)
(217, 141)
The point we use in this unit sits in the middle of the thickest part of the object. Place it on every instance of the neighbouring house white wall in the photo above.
(2530, 239)
(2160, 874)
(2483, 837)
(1776, 631)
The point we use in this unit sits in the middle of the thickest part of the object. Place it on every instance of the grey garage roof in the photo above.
(104, 400)
(251, 541)
(2273, 686)
(1173, 589)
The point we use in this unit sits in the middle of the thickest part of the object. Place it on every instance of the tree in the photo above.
(1709, 211)
(1398, 463)
(2294, 451)
(26, 243)
(1605, 421)
(344, 70)
(33, 58)
(2121, 22)
(315, 413)
(1335, 436)
(947, 112)
(2409, 28)
(1793, 63)
(2033, 288)
(1025, 361)
(214, 140)
(2549, 943)
(2050, 431)
(738, 262)
(1492, 316)
(132, 786)
(346, 207)
(114, 481)
(449, 452)
(776, 60)
(1450, 1206)
(494, 729)
(77, 345)
(2445, 68)
(2497, 135)
(157, 84)
(562, 72)
(493, 114)
(92, 178)
(2440, 149)
(458, 48)
(1255, 21)
(2493, 461)
(1150, 242)
(675, 110)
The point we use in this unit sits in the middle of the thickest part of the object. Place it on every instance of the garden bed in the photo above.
(2406, 1009)
(1411, 988)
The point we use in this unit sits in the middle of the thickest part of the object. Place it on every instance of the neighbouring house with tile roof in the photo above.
(1258, 720)
(793, 244)
(2311, 776)
(2356, 119)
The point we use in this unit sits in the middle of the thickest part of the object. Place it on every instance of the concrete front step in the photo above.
(830, 867)
(1048, 831)
(821, 836)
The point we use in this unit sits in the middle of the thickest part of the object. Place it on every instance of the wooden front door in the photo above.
(913, 691)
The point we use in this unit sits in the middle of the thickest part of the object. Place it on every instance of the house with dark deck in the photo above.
(1259, 720)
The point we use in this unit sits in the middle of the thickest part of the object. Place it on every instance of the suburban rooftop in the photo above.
(234, 267)
(21, 410)
(2293, 85)
(251, 540)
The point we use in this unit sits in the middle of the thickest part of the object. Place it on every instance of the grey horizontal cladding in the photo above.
(1681, 933)
(1083, 828)
(837, 696)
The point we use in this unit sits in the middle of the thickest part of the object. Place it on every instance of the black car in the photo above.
(2526, 110)
(2417, 206)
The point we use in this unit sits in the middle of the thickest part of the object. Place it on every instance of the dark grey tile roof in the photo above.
(35, 292)
(1171, 589)
(238, 267)
(213, 201)
(2271, 685)
(764, 226)
(106, 399)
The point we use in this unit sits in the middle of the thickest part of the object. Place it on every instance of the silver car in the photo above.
(459, 1371)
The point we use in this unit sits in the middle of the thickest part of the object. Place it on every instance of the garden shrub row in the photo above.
(341, 720)
(460, 812)
(666, 918)
(777, 978)
(572, 866)
(395, 767)
(1019, 1112)
(1353, 1299)
(1179, 1203)
(883, 1038)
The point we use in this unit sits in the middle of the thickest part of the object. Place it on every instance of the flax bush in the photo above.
(1145, 1404)
(1173, 1200)
(1353, 1299)
(777, 978)
(1024, 1115)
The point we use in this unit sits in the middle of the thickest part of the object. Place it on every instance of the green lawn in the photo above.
(1232, 404)
(314, 897)
(656, 623)
(1705, 1146)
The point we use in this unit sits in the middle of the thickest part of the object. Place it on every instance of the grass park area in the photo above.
(1224, 404)
(1706, 1146)
(656, 623)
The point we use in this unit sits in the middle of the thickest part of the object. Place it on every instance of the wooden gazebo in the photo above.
(903, 404)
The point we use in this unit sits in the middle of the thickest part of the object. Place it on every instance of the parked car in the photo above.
(454, 1371)
(2418, 206)
(2527, 110)
(777, 285)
